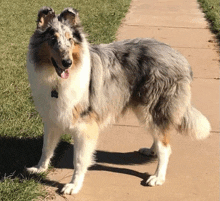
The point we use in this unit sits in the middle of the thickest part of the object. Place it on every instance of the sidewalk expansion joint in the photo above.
(207, 78)
(169, 27)
(121, 125)
(196, 48)
(215, 132)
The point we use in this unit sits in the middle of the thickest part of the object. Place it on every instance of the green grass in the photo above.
(211, 9)
(21, 128)
(100, 19)
(26, 189)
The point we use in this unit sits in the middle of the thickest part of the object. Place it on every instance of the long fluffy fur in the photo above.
(194, 124)
(106, 80)
(149, 74)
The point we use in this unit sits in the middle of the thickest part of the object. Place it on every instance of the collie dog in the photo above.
(79, 88)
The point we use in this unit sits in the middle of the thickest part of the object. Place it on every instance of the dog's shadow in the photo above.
(107, 161)
(18, 153)
(116, 158)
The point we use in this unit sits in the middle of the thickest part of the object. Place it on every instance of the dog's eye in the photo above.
(71, 40)
(53, 40)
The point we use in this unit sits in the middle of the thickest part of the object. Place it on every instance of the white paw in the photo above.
(35, 169)
(70, 189)
(155, 181)
(147, 152)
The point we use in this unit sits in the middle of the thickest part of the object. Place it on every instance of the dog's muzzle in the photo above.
(63, 73)
(67, 63)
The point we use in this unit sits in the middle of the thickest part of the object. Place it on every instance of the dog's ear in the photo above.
(45, 15)
(71, 16)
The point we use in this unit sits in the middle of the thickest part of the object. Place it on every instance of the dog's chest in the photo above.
(54, 97)
(57, 106)
(55, 102)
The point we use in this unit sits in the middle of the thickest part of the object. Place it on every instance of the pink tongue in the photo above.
(65, 74)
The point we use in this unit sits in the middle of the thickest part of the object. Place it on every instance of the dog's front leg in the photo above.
(85, 140)
(51, 138)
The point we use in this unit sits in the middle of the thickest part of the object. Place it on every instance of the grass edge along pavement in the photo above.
(211, 8)
(20, 125)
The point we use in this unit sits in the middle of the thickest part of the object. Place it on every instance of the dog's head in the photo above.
(63, 37)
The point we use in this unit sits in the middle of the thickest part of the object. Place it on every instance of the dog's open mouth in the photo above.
(63, 73)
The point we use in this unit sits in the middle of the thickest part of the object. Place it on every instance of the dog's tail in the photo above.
(194, 124)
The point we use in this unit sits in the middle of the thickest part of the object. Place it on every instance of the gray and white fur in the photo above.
(79, 88)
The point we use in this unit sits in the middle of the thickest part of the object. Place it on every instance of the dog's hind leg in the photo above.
(85, 140)
(160, 147)
(51, 138)
(149, 152)
(163, 151)
(141, 116)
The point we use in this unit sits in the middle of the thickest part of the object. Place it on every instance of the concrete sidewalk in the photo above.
(193, 171)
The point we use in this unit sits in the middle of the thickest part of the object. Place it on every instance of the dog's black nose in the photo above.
(66, 63)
